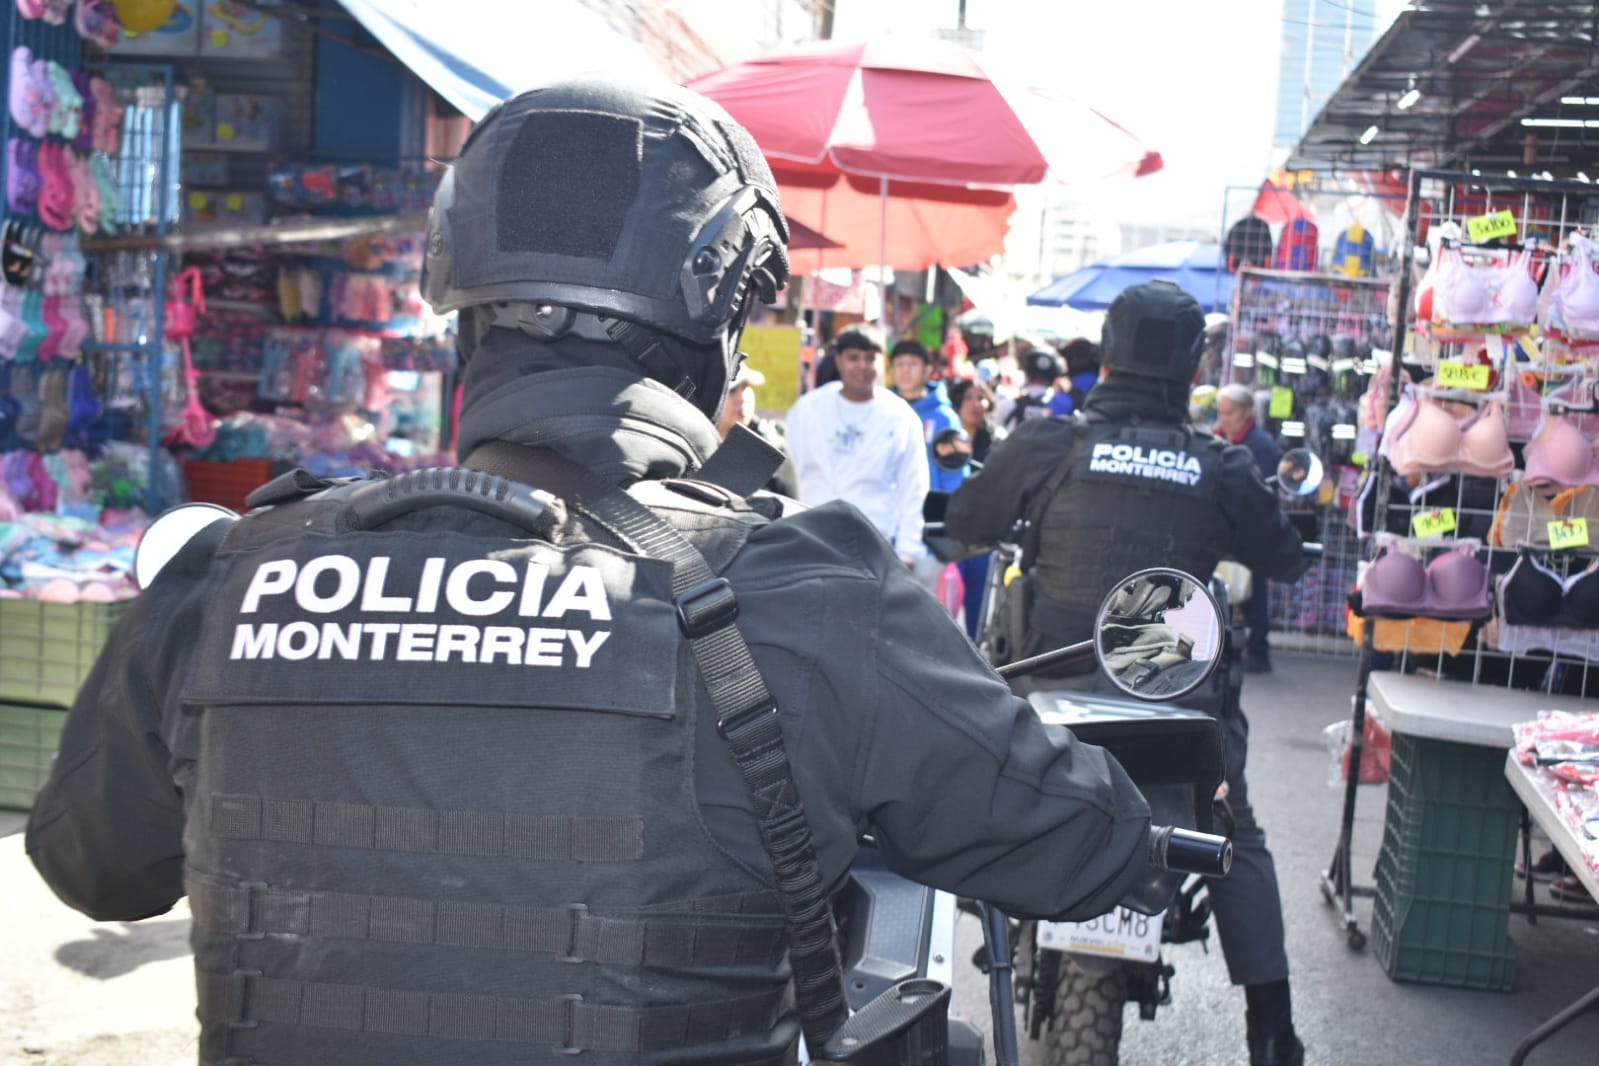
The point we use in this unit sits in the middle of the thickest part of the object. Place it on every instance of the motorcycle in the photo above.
(1076, 979)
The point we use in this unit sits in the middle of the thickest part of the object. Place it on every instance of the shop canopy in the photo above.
(1511, 85)
(464, 51)
(1195, 266)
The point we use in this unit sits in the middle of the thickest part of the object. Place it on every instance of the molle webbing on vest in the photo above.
(485, 834)
(567, 1022)
(571, 932)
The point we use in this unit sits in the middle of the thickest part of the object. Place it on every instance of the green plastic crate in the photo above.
(1444, 874)
(28, 740)
(46, 649)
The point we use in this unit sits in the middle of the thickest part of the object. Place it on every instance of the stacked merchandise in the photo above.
(1565, 749)
(316, 352)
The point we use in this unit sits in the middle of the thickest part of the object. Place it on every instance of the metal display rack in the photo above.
(1524, 372)
(1304, 342)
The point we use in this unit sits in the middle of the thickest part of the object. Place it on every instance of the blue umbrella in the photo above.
(1195, 266)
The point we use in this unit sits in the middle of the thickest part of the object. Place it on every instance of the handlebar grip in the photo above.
(1188, 852)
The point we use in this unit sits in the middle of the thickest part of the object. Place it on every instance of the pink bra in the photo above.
(1560, 456)
(1484, 295)
(1452, 586)
(1428, 440)
(1576, 297)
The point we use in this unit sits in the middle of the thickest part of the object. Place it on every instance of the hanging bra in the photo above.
(1427, 439)
(1484, 295)
(1576, 296)
(1525, 513)
(1559, 455)
(1534, 595)
(1453, 587)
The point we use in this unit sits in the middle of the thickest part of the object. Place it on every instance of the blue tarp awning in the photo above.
(1194, 265)
(475, 53)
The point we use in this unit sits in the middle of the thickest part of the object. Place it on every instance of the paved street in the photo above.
(76, 992)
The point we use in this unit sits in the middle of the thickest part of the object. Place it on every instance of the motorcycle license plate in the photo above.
(1119, 934)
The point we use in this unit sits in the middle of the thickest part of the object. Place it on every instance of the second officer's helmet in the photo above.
(1154, 330)
(637, 212)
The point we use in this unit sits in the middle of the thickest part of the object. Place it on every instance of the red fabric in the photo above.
(917, 110)
(834, 118)
(927, 224)
(1276, 204)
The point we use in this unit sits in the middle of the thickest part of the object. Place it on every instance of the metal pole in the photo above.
(1001, 994)
(883, 314)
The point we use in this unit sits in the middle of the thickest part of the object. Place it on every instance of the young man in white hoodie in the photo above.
(853, 440)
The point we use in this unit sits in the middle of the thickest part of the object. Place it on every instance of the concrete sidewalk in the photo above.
(78, 992)
(75, 992)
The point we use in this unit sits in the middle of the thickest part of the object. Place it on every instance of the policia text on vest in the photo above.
(440, 619)
(1160, 464)
(483, 588)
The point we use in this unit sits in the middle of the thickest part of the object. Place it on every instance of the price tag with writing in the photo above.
(1492, 226)
(1432, 523)
(1282, 403)
(1568, 533)
(1453, 374)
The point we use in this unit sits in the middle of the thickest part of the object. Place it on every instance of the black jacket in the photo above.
(881, 696)
(986, 506)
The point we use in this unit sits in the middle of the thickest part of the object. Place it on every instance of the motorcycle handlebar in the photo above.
(1188, 852)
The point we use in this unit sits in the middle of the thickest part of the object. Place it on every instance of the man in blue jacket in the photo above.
(911, 366)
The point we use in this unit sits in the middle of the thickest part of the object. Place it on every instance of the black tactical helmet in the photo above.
(1154, 330)
(596, 207)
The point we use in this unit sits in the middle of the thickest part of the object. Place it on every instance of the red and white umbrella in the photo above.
(929, 126)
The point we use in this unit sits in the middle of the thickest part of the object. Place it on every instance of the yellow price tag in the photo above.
(220, 39)
(1491, 226)
(1282, 403)
(1568, 533)
(1453, 374)
(197, 200)
(225, 131)
(1432, 523)
(235, 202)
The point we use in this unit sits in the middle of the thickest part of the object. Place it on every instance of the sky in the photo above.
(1194, 79)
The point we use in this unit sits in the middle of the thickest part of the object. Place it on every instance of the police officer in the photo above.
(1127, 484)
(439, 762)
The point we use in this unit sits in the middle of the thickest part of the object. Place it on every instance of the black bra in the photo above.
(1533, 595)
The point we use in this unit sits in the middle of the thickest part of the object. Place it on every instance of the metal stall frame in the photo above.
(1337, 881)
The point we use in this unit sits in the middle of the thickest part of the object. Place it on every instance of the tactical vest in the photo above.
(443, 806)
(1127, 496)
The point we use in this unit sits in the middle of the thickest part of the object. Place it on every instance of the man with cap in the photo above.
(559, 752)
(1039, 397)
(1128, 484)
(853, 440)
(739, 409)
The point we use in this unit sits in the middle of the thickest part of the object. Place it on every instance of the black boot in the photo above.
(1269, 1012)
(1276, 1051)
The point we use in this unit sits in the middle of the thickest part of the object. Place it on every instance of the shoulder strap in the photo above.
(744, 463)
(746, 714)
(1032, 530)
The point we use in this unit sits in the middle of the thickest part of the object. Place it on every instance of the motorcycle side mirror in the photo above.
(1159, 634)
(167, 535)
(952, 449)
(1299, 473)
